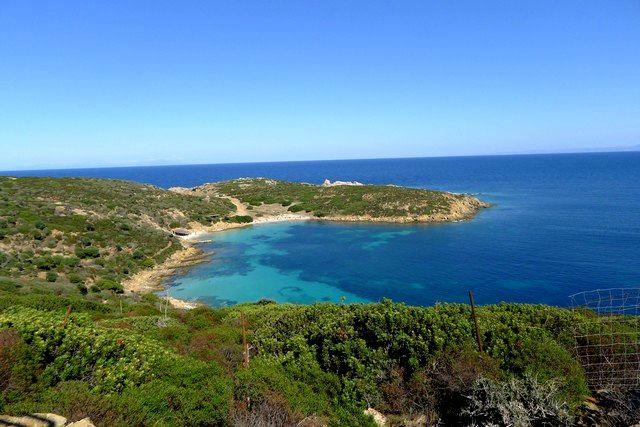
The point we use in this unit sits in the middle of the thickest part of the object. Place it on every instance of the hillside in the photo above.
(72, 343)
(380, 203)
(99, 234)
(126, 362)
(93, 232)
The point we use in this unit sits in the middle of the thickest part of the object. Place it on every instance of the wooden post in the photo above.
(245, 346)
(66, 317)
(475, 321)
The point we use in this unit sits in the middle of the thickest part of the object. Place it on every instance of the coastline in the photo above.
(152, 280)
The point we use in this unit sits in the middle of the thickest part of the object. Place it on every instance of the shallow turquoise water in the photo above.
(238, 273)
(562, 224)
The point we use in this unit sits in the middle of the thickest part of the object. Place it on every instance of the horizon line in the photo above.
(630, 149)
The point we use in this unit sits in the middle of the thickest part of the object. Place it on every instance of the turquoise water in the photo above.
(238, 273)
(562, 224)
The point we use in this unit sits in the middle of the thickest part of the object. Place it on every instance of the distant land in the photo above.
(185, 162)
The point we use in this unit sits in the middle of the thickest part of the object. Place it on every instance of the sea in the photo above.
(560, 224)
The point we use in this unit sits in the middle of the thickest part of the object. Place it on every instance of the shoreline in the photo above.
(153, 280)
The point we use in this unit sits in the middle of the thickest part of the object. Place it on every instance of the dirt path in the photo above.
(241, 209)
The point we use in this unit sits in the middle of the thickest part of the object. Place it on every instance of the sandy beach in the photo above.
(152, 280)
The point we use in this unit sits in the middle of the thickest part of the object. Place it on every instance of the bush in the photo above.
(9, 285)
(110, 285)
(75, 278)
(136, 376)
(49, 302)
(241, 219)
(46, 262)
(88, 252)
(82, 289)
(147, 263)
(71, 261)
(52, 276)
(518, 402)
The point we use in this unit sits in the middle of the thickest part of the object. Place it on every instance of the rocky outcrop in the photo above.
(43, 420)
(328, 183)
(181, 232)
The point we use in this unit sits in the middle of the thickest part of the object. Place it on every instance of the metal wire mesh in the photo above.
(607, 339)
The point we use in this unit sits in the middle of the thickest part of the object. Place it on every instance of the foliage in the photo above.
(92, 228)
(131, 364)
(376, 201)
(166, 386)
(517, 402)
(241, 219)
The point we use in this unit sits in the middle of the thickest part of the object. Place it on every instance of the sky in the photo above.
(105, 83)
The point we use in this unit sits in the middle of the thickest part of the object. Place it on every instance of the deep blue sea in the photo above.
(561, 224)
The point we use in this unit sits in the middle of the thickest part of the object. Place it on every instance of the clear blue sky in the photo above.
(93, 83)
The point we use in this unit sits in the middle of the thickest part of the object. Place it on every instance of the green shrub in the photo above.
(241, 219)
(71, 261)
(46, 262)
(7, 285)
(88, 252)
(147, 263)
(50, 302)
(158, 386)
(110, 285)
(75, 278)
(267, 377)
(52, 276)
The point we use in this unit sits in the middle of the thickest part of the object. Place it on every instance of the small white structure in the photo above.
(328, 183)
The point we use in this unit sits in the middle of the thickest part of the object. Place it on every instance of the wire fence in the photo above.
(606, 342)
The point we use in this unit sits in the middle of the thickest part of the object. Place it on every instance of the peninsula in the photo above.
(83, 335)
(124, 236)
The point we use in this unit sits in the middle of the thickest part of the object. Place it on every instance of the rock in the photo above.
(312, 421)
(328, 183)
(85, 422)
(60, 210)
(34, 420)
(180, 231)
(378, 418)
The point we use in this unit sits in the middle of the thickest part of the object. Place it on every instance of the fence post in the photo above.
(475, 321)
(245, 345)
(66, 317)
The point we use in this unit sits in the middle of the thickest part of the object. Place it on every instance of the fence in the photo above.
(606, 342)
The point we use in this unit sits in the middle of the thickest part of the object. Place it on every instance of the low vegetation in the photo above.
(92, 232)
(123, 361)
(71, 343)
(365, 201)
